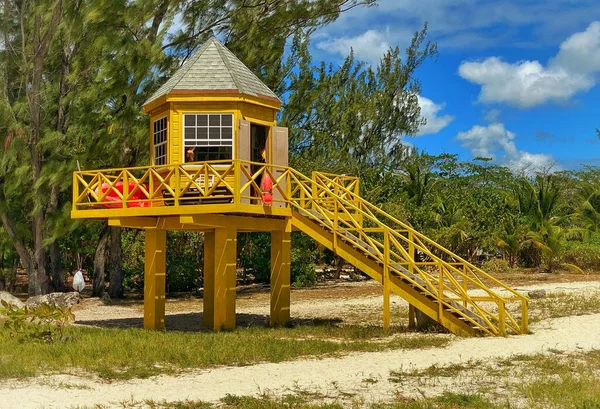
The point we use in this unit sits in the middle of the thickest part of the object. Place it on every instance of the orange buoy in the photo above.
(266, 187)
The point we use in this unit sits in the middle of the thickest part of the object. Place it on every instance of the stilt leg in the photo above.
(155, 279)
(219, 301)
(208, 296)
(280, 275)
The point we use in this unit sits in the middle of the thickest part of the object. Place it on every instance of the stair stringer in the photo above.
(375, 271)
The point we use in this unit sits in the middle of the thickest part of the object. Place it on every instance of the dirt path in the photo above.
(333, 377)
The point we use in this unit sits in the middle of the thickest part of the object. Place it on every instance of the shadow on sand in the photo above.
(192, 322)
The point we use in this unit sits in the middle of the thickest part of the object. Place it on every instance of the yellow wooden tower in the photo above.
(219, 165)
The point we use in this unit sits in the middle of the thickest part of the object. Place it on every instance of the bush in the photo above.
(303, 259)
(585, 257)
(184, 260)
(496, 266)
(42, 323)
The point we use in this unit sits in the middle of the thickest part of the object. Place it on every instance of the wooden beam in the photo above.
(208, 221)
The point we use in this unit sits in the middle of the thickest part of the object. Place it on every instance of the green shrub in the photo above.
(496, 266)
(303, 260)
(585, 257)
(42, 323)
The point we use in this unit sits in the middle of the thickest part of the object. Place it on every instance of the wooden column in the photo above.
(155, 279)
(208, 298)
(280, 275)
(220, 283)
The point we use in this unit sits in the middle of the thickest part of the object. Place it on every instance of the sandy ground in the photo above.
(362, 375)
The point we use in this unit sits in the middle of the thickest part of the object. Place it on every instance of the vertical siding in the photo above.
(175, 135)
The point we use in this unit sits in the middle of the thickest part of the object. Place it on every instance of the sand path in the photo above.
(330, 376)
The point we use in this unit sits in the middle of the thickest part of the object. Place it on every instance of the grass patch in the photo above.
(134, 353)
(556, 305)
(447, 400)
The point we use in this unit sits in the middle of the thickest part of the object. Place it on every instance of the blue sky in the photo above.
(515, 80)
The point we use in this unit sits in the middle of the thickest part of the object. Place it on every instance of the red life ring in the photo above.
(138, 198)
(266, 187)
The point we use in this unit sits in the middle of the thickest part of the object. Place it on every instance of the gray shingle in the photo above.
(214, 67)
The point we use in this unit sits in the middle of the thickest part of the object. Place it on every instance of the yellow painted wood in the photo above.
(386, 281)
(208, 295)
(258, 210)
(241, 222)
(155, 279)
(221, 292)
(280, 275)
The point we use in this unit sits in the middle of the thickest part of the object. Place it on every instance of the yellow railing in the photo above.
(335, 203)
(441, 274)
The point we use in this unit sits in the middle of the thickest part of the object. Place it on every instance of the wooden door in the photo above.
(243, 153)
(279, 157)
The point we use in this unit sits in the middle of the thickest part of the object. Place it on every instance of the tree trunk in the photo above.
(115, 289)
(100, 263)
(58, 279)
(41, 45)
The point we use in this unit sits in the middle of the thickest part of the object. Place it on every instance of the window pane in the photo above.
(214, 133)
(190, 133)
(202, 120)
(227, 120)
(202, 133)
(215, 120)
(190, 120)
(226, 133)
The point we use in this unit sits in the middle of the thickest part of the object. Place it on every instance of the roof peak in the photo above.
(214, 68)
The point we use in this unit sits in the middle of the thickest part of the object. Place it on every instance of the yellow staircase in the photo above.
(440, 284)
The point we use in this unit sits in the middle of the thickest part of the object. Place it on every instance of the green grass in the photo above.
(558, 305)
(134, 353)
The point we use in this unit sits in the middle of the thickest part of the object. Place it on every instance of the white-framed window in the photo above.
(160, 141)
(207, 137)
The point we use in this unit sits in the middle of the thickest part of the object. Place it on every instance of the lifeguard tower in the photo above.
(213, 141)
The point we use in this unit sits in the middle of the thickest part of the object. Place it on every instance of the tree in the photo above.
(352, 119)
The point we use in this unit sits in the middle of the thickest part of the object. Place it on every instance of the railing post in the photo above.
(75, 191)
(238, 182)
(125, 188)
(411, 252)
(335, 223)
(386, 279)
(464, 283)
(177, 185)
(288, 187)
(524, 317)
(441, 292)
(501, 318)
(314, 192)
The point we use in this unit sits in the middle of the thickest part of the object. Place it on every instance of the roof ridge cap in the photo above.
(230, 70)
(251, 72)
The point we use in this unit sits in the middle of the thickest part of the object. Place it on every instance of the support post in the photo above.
(155, 279)
(219, 295)
(280, 275)
(208, 297)
(386, 279)
(411, 316)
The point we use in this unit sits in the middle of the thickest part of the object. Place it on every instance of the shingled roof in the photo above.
(214, 68)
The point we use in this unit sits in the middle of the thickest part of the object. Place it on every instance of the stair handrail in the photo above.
(427, 239)
(470, 275)
(482, 313)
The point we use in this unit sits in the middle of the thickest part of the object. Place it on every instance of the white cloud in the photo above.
(526, 84)
(369, 46)
(496, 142)
(429, 111)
